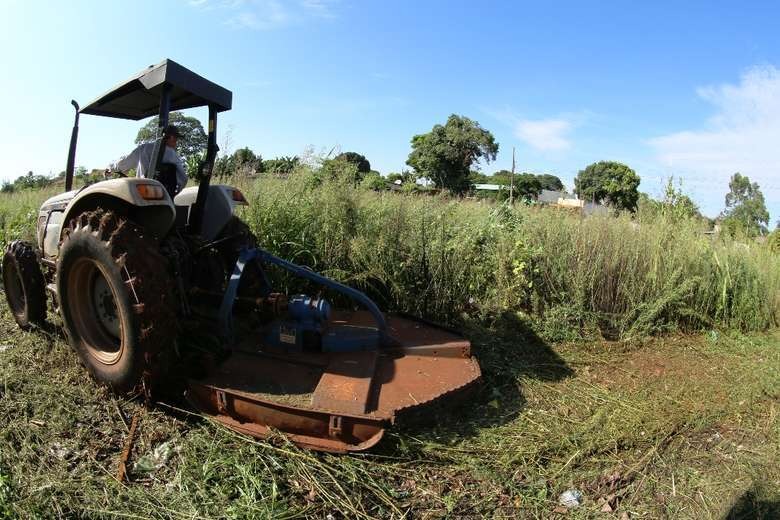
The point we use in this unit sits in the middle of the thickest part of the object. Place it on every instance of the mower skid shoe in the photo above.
(337, 401)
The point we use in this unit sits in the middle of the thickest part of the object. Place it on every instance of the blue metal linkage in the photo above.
(249, 254)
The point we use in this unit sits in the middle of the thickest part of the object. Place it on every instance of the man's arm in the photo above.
(128, 162)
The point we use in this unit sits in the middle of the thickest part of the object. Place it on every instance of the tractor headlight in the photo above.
(238, 197)
(150, 191)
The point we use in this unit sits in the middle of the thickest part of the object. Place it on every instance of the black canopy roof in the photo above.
(139, 96)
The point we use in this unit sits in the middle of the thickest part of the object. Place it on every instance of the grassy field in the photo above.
(676, 427)
(632, 359)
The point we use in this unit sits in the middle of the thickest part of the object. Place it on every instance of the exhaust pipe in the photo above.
(72, 150)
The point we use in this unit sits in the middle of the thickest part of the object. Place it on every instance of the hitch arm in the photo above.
(247, 255)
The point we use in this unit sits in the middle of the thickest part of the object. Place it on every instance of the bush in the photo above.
(773, 241)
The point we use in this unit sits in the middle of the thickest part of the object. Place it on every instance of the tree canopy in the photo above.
(447, 153)
(360, 161)
(675, 204)
(608, 182)
(28, 181)
(745, 207)
(243, 159)
(193, 138)
(550, 182)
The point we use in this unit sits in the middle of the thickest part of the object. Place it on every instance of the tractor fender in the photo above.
(156, 216)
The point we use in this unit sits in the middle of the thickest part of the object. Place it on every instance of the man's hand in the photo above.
(108, 173)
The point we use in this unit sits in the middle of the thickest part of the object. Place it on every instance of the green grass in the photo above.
(678, 426)
(570, 277)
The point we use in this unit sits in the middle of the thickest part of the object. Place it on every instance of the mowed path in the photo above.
(674, 427)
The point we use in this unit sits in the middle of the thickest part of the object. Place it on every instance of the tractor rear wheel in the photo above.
(116, 299)
(23, 283)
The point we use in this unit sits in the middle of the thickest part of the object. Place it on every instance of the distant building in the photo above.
(551, 197)
(559, 199)
(489, 187)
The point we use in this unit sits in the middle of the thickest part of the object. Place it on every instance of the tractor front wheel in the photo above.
(23, 283)
(116, 299)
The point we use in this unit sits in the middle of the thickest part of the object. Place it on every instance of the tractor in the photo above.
(133, 267)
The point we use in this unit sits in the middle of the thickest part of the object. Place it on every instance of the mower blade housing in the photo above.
(332, 400)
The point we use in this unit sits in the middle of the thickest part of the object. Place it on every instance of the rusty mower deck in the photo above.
(329, 380)
(341, 401)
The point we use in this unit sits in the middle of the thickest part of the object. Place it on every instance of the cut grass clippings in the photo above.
(678, 427)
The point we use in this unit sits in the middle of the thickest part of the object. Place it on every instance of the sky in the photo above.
(689, 90)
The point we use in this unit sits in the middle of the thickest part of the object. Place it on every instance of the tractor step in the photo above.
(336, 401)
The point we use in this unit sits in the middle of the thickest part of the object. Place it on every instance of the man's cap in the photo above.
(171, 130)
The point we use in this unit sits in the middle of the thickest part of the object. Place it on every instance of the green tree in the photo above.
(677, 204)
(447, 153)
(349, 163)
(245, 158)
(362, 164)
(745, 207)
(193, 138)
(340, 169)
(281, 165)
(608, 182)
(374, 181)
(32, 181)
(550, 182)
(405, 177)
(527, 186)
(80, 173)
(504, 178)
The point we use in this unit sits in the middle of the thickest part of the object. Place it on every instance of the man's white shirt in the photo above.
(141, 158)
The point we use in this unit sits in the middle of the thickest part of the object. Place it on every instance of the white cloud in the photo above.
(319, 8)
(742, 135)
(265, 15)
(546, 135)
(549, 135)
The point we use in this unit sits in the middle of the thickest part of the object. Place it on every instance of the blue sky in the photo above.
(689, 89)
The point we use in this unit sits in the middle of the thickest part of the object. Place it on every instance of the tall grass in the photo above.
(569, 277)
(19, 212)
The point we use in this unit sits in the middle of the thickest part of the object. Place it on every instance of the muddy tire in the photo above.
(24, 284)
(116, 299)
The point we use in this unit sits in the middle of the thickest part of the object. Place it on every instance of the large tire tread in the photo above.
(22, 258)
(132, 254)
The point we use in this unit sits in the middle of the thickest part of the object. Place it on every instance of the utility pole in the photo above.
(512, 180)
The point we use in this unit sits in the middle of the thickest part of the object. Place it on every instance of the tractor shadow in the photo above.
(509, 353)
(753, 505)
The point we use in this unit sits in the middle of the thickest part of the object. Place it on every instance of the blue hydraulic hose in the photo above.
(248, 254)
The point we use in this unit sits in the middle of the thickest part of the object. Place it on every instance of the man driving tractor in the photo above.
(173, 173)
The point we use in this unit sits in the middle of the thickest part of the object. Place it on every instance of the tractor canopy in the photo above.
(139, 97)
(157, 90)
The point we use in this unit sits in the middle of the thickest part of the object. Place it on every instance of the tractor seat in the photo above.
(167, 177)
